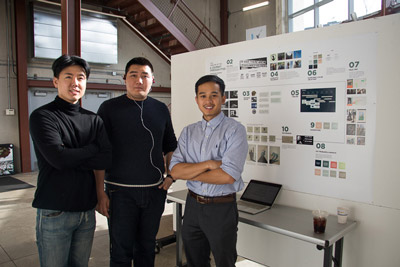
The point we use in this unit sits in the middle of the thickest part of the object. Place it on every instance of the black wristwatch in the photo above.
(169, 175)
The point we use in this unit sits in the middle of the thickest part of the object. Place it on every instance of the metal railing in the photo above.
(188, 23)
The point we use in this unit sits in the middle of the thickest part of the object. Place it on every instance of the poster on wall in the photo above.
(309, 111)
(256, 33)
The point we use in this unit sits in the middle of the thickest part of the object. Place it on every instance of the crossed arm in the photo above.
(207, 172)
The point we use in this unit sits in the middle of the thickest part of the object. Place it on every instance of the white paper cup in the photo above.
(342, 213)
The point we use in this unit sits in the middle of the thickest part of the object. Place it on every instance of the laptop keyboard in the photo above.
(249, 205)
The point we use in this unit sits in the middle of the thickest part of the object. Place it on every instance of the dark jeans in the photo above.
(135, 215)
(210, 227)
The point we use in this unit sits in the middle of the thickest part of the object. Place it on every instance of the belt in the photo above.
(209, 200)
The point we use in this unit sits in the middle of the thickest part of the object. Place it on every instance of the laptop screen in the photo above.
(261, 192)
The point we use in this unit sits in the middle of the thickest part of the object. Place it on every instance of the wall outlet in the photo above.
(10, 112)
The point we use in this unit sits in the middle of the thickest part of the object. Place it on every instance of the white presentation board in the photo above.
(305, 107)
(308, 101)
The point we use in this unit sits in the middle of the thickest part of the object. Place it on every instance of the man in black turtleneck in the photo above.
(72, 148)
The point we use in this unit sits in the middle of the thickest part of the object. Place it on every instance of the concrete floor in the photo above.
(17, 232)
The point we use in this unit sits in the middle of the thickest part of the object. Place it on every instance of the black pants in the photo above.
(210, 227)
(133, 224)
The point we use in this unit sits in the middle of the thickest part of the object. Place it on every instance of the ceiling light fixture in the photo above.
(266, 3)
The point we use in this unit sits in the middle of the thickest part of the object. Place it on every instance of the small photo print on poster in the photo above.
(249, 129)
(361, 141)
(360, 129)
(233, 104)
(226, 112)
(297, 54)
(251, 155)
(287, 139)
(262, 154)
(249, 137)
(350, 129)
(233, 94)
(351, 91)
(361, 91)
(264, 138)
(350, 140)
(350, 83)
(233, 113)
(361, 115)
(359, 101)
(305, 140)
(275, 155)
(351, 115)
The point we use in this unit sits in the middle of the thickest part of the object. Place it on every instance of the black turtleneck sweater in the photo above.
(70, 142)
(132, 144)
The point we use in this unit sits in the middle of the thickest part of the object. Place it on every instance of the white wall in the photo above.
(239, 21)
(374, 241)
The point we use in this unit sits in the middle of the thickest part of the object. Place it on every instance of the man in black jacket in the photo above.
(71, 146)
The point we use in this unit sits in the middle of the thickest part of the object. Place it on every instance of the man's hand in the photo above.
(166, 184)
(214, 164)
(103, 204)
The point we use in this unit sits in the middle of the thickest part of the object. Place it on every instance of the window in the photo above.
(99, 36)
(306, 14)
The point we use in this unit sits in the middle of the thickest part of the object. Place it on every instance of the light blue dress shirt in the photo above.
(221, 138)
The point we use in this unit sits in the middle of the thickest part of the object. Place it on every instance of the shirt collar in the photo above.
(214, 122)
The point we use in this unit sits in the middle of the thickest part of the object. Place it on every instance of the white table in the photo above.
(285, 220)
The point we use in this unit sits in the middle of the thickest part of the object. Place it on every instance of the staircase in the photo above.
(170, 26)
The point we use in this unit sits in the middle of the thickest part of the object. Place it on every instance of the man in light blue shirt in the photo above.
(210, 156)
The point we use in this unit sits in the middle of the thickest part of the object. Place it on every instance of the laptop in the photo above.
(258, 196)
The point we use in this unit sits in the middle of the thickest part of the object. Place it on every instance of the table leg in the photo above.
(338, 252)
(328, 256)
(179, 243)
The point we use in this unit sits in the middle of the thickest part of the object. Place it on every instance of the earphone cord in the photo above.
(152, 147)
(151, 160)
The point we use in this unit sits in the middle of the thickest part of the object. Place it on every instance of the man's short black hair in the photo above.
(66, 61)
(141, 61)
(211, 78)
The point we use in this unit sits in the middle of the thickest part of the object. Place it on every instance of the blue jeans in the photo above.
(64, 239)
(135, 215)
